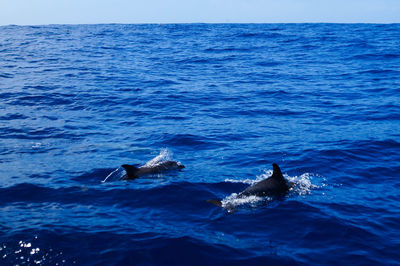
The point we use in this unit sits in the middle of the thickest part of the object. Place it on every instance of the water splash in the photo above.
(232, 201)
(28, 253)
(165, 155)
(301, 185)
(110, 174)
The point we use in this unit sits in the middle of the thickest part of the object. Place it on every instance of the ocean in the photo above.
(226, 100)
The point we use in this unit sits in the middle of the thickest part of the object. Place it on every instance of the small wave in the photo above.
(228, 49)
(261, 35)
(37, 133)
(265, 63)
(375, 56)
(6, 75)
(162, 82)
(12, 116)
(380, 72)
(191, 141)
(43, 100)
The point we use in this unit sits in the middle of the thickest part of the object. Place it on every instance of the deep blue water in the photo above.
(227, 101)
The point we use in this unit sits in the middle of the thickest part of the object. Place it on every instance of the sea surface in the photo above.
(225, 100)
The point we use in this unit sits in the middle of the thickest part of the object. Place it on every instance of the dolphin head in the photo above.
(173, 164)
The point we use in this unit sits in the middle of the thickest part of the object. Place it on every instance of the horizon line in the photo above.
(193, 23)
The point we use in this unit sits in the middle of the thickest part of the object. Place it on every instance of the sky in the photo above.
(39, 12)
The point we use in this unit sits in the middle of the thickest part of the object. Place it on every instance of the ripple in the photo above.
(14, 116)
(190, 141)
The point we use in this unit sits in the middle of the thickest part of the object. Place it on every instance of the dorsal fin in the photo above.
(277, 174)
(130, 170)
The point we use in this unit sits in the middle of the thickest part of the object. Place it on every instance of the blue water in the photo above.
(227, 101)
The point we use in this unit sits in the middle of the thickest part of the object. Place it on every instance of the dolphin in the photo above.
(275, 185)
(133, 172)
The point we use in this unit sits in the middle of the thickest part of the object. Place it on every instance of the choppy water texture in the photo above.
(321, 100)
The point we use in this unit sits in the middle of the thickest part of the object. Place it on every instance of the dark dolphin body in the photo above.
(275, 185)
(133, 172)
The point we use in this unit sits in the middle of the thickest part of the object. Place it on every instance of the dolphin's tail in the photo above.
(215, 202)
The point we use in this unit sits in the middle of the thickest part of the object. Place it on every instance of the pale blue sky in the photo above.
(33, 12)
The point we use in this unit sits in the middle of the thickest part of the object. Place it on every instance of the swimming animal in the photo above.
(275, 185)
(133, 172)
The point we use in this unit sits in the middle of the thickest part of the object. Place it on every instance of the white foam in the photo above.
(36, 145)
(244, 181)
(233, 200)
(34, 251)
(301, 185)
